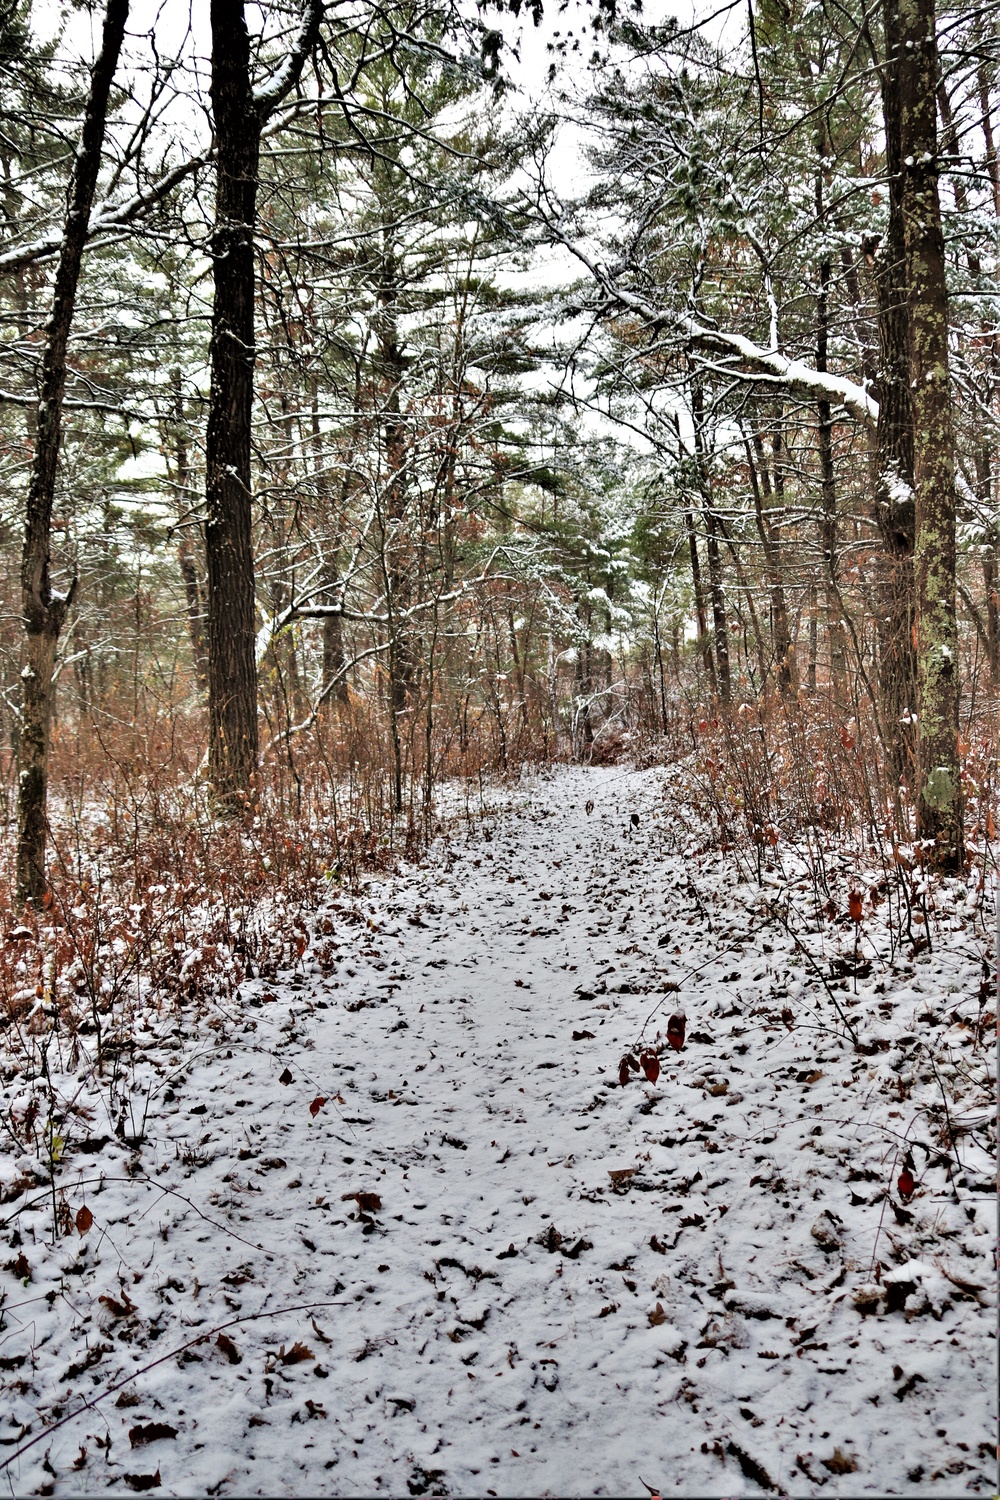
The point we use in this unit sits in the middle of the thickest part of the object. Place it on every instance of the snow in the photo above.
(377, 1236)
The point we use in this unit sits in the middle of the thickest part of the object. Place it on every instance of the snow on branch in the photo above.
(283, 80)
(107, 220)
(743, 357)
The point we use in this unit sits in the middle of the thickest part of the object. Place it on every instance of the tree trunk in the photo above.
(194, 603)
(781, 636)
(232, 669)
(715, 584)
(939, 792)
(894, 493)
(827, 477)
(45, 610)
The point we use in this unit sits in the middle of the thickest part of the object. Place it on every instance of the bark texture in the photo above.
(239, 115)
(45, 610)
(939, 793)
(232, 670)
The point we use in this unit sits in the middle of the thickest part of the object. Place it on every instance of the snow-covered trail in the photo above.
(514, 1276)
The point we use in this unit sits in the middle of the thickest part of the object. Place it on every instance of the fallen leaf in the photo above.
(296, 1355)
(84, 1219)
(367, 1202)
(583, 1036)
(118, 1309)
(229, 1349)
(143, 1481)
(286, 1077)
(150, 1432)
(840, 1463)
(657, 1316)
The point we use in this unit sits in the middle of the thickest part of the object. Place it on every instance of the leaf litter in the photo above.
(750, 1257)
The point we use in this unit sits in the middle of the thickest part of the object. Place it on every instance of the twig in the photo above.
(144, 1369)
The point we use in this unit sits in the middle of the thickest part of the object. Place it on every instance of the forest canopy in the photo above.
(371, 417)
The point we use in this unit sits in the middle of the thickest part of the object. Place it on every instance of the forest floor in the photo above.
(379, 1238)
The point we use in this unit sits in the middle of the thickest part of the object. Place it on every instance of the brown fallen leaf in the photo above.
(296, 1355)
(150, 1432)
(143, 1481)
(583, 1036)
(118, 1309)
(229, 1349)
(623, 1174)
(657, 1316)
(286, 1077)
(840, 1463)
(324, 1338)
(367, 1202)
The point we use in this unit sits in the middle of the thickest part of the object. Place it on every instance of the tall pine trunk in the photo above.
(45, 610)
(239, 116)
(939, 793)
(894, 484)
(232, 669)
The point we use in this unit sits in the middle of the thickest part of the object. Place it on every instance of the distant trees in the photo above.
(349, 489)
(781, 266)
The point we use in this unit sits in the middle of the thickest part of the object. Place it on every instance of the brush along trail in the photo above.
(395, 1225)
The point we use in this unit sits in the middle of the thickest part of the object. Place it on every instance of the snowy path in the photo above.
(544, 1282)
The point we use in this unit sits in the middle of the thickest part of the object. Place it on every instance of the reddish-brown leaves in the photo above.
(317, 1105)
(855, 906)
(650, 1065)
(675, 1030)
(229, 1349)
(906, 1183)
(623, 1074)
(84, 1219)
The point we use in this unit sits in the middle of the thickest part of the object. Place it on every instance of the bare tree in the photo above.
(43, 607)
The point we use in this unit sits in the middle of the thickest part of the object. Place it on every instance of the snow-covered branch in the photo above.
(269, 95)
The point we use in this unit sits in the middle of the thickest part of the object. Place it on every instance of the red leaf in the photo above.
(84, 1219)
(855, 907)
(317, 1105)
(906, 1184)
(650, 1065)
(623, 1074)
(286, 1077)
(675, 1030)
